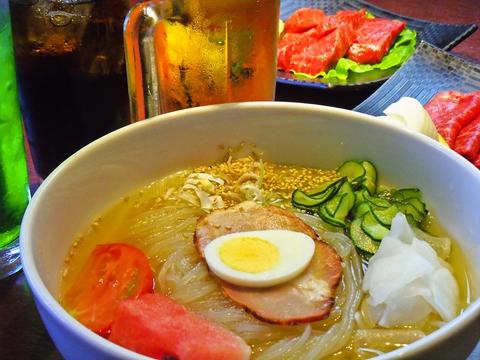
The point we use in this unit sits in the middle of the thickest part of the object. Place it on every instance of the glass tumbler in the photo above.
(71, 73)
(14, 192)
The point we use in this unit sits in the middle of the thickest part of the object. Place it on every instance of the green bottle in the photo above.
(14, 193)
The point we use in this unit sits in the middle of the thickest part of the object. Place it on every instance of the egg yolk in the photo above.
(249, 254)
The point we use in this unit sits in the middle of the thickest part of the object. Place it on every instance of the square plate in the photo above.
(427, 72)
(444, 36)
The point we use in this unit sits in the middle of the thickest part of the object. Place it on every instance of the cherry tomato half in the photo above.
(112, 273)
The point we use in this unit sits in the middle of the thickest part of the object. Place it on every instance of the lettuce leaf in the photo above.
(401, 50)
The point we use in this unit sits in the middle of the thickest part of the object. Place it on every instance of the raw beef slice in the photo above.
(324, 54)
(319, 48)
(294, 43)
(467, 143)
(304, 19)
(477, 161)
(374, 39)
(451, 111)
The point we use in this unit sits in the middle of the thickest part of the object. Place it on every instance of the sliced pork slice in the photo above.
(304, 19)
(467, 143)
(308, 297)
(451, 111)
(374, 39)
(246, 216)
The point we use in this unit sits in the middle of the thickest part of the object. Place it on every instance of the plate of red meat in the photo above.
(350, 43)
(449, 88)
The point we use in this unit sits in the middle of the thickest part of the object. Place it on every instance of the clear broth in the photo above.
(279, 181)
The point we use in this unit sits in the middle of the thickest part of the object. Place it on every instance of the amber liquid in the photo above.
(71, 73)
(217, 51)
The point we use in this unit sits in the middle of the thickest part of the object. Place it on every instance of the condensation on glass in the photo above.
(188, 53)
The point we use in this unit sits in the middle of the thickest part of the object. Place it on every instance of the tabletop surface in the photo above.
(22, 334)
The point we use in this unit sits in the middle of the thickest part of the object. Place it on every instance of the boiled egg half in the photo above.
(259, 258)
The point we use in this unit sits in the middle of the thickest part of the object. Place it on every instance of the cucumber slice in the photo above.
(418, 204)
(332, 205)
(344, 207)
(322, 212)
(308, 201)
(346, 202)
(359, 198)
(304, 201)
(362, 209)
(340, 205)
(411, 221)
(376, 201)
(404, 194)
(370, 180)
(362, 240)
(373, 228)
(335, 184)
(385, 216)
(352, 170)
(347, 188)
(409, 209)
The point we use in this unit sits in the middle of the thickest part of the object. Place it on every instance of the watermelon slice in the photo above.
(374, 39)
(157, 326)
(451, 111)
(467, 143)
(304, 19)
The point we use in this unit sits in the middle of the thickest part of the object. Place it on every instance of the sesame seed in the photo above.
(278, 179)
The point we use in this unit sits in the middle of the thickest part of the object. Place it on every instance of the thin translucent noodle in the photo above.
(166, 235)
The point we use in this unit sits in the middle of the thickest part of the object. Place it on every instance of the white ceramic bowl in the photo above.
(96, 177)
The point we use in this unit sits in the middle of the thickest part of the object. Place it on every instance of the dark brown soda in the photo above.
(72, 79)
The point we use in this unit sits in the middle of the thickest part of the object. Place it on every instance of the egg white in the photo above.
(296, 251)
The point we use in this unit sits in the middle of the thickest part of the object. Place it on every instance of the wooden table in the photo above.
(22, 334)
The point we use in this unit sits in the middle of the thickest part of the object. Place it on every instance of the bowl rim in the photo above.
(43, 297)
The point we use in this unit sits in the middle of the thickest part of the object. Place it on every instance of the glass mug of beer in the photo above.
(71, 73)
(186, 53)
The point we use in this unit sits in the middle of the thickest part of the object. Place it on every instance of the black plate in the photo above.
(444, 36)
(427, 72)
